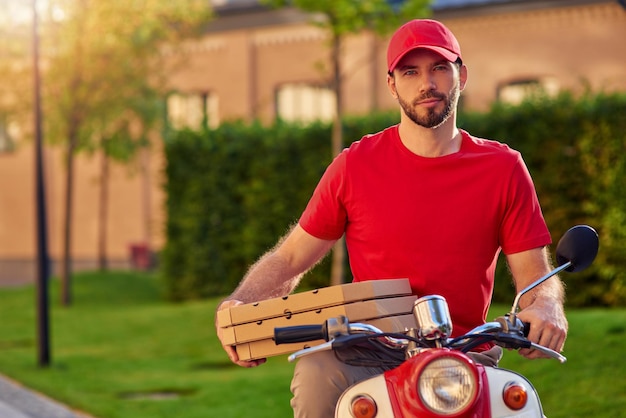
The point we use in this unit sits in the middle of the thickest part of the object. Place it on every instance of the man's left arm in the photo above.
(542, 307)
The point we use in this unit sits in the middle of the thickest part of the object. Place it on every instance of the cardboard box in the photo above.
(359, 311)
(250, 327)
(313, 300)
(267, 348)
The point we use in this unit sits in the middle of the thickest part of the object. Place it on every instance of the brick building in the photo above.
(256, 63)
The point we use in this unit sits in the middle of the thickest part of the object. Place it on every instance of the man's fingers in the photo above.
(230, 349)
(251, 363)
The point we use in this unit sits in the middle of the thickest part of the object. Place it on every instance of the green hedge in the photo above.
(575, 150)
(231, 192)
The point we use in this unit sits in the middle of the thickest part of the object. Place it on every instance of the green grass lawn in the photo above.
(121, 352)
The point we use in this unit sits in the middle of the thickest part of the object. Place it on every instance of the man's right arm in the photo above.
(276, 274)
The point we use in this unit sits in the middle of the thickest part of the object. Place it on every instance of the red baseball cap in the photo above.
(422, 33)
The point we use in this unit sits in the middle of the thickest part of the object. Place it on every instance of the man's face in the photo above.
(427, 87)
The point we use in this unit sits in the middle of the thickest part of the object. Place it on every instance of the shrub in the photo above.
(231, 192)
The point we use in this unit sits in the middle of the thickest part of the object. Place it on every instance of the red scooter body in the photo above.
(402, 384)
(441, 383)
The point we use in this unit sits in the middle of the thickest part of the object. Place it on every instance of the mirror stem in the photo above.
(535, 284)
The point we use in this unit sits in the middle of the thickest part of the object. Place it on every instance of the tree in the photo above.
(104, 79)
(15, 72)
(341, 18)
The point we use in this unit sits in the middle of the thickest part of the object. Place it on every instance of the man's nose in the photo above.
(427, 82)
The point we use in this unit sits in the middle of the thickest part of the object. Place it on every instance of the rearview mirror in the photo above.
(579, 247)
(575, 251)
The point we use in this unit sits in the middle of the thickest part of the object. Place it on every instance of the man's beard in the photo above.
(432, 119)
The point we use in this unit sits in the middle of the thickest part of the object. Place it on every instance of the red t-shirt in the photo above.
(440, 222)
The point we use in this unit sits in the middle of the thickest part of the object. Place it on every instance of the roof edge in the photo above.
(510, 6)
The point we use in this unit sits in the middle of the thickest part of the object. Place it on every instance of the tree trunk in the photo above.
(66, 273)
(375, 74)
(103, 211)
(73, 129)
(339, 251)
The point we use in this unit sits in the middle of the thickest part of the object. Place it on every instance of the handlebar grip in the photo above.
(300, 333)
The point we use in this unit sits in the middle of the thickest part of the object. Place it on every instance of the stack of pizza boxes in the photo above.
(386, 304)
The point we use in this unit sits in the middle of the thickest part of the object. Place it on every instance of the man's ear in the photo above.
(463, 76)
(391, 85)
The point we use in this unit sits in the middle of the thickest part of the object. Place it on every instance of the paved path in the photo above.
(16, 401)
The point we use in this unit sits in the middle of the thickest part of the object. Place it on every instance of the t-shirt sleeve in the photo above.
(325, 216)
(523, 226)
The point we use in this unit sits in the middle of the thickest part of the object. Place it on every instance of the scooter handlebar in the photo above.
(300, 333)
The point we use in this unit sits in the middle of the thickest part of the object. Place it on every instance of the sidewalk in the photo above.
(16, 401)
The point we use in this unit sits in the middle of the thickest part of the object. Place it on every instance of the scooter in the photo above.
(437, 377)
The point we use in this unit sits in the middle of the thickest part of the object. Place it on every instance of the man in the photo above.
(422, 200)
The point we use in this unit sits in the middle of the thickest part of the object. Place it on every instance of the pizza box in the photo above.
(356, 312)
(267, 348)
(312, 300)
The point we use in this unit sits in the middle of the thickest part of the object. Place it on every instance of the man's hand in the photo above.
(548, 326)
(543, 305)
(230, 350)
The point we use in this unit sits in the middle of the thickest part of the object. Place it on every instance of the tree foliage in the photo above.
(16, 74)
(104, 80)
(343, 17)
(106, 64)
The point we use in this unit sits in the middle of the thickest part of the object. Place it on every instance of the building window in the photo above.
(305, 103)
(517, 91)
(192, 110)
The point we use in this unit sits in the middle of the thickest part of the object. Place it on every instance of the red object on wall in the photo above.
(140, 256)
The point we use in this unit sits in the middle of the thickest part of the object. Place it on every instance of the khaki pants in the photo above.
(319, 379)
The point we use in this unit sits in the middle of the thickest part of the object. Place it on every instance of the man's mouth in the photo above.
(430, 100)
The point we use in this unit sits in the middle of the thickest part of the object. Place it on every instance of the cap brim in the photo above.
(450, 56)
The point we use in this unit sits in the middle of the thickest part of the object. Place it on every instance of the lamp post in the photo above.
(43, 263)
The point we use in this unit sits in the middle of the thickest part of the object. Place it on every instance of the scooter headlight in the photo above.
(447, 385)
